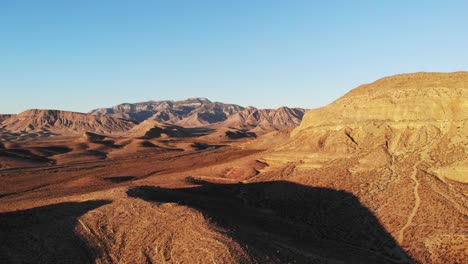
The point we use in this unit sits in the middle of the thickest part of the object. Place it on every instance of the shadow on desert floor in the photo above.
(46, 234)
(288, 222)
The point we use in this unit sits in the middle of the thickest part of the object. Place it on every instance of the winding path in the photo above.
(417, 202)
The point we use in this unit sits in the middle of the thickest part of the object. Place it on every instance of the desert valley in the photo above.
(378, 176)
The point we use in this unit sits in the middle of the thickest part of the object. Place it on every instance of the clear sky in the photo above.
(80, 55)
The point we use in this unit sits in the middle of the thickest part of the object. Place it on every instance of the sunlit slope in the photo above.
(401, 145)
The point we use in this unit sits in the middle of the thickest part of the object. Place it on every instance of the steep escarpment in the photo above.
(401, 145)
(400, 113)
(411, 98)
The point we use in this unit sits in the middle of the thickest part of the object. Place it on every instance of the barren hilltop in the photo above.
(377, 176)
(64, 122)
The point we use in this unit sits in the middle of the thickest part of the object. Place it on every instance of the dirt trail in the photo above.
(417, 202)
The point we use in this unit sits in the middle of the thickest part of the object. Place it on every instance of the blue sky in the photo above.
(80, 55)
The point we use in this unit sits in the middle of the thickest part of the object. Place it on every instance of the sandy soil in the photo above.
(375, 177)
(186, 206)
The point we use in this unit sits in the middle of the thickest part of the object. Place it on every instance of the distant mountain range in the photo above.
(196, 112)
(190, 113)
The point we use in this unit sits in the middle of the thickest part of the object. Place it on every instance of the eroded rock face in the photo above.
(401, 112)
(188, 112)
(401, 145)
(196, 112)
(411, 98)
(266, 119)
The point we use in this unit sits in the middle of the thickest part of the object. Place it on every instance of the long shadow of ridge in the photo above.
(285, 222)
(46, 234)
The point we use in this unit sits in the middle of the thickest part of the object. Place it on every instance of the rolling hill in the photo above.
(64, 122)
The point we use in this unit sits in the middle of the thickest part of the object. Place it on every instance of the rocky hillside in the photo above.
(198, 112)
(266, 119)
(189, 112)
(63, 122)
(401, 145)
(407, 98)
(153, 129)
(4, 117)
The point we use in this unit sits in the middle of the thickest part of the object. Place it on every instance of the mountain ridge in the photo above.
(403, 97)
(34, 120)
(198, 112)
(175, 112)
(188, 113)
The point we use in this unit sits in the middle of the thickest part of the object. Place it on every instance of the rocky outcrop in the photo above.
(401, 145)
(408, 98)
(189, 112)
(266, 119)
